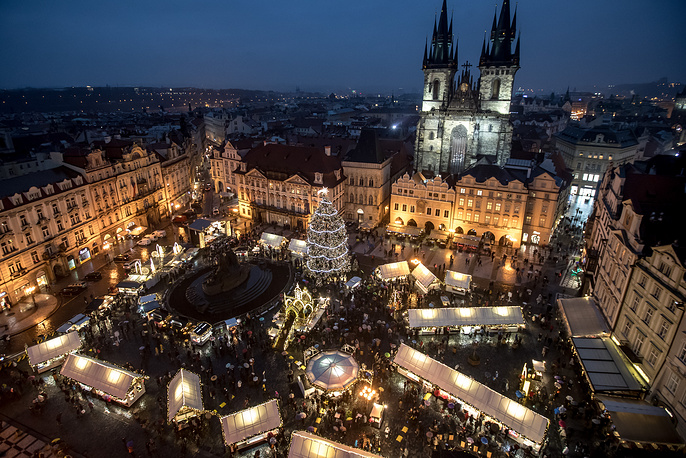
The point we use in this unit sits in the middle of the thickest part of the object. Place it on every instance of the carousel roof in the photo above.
(332, 370)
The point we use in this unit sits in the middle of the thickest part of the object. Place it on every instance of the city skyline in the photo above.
(317, 47)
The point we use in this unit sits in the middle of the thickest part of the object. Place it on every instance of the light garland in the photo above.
(327, 242)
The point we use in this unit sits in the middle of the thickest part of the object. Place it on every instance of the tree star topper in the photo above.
(323, 191)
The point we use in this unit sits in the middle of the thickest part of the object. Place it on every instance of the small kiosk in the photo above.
(110, 382)
(184, 398)
(353, 283)
(376, 416)
(424, 278)
(458, 283)
(53, 352)
(249, 427)
(201, 333)
(298, 247)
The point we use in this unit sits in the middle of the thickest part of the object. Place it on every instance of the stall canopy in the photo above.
(515, 416)
(298, 247)
(435, 234)
(394, 270)
(129, 284)
(466, 316)
(306, 445)
(423, 276)
(136, 231)
(53, 348)
(272, 240)
(412, 231)
(606, 367)
(457, 280)
(100, 375)
(250, 422)
(354, 282)
(149, 307)
(582, 317)
(638, 421)
(332, 370)
(66, 327)
(148, 298)
(200, 224)
(183, 393)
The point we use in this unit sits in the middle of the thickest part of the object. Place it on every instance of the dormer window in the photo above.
(338, 174)
(318, 178)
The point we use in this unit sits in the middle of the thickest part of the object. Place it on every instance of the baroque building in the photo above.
(463, 119)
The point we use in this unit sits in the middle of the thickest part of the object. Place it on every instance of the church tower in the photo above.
(439, 65)
(499, 63)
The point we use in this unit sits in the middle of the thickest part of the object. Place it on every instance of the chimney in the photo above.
(327, 150)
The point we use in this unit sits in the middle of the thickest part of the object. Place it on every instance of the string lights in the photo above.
(327, 242)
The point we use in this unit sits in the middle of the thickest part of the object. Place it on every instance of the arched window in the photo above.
(437, 87)
(361, 181)
(371, 182)
(371, 200)
(458, 149)
(352, 198)
(495, 89)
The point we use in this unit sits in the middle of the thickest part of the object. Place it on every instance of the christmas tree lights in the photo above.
(327, 242)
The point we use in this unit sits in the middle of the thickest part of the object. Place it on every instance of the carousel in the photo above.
(332, 372)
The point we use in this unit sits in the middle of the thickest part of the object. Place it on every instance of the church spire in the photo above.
(441, 52)
(513, 27)
(424, 62)
(515, 57)
(503, 34)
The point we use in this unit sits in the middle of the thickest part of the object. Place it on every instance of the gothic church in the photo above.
(463, 120)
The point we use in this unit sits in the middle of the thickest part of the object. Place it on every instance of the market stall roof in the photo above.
(272, 240)
(67, 326)
(231, 322)
(354, 282)
(638, 421)
(435, 234)
(99, 374)
(466, 240)
(466, 316)
(306, 445)
(412, 231)
(507, 411)
(60, 345)
(149, 307)
(136, 231)
(605, 365)
(394, 270)
(184, 390)
(148, 298)
(200, 224)
(250, 422)
(128, 284)
(582, 317)
(298, 246)
(457, 279)
(332, 370)
(423, 275)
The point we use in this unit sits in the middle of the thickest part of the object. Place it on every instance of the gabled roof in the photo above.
(38, 179)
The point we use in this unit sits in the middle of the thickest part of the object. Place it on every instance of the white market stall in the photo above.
(424, 278)
(51, 353)
(458, 317)
(272, 240)
(526, 426)
(332, 371)
(184, 397)
(457, 282)
(393, 270)
(105, 379)
(75, 323)
(307, 445)
(251, 426)
(353, 283)
(298, 247)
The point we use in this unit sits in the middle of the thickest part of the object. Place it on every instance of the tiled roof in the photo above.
(39, 179)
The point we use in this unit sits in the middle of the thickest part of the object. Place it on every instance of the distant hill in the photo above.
(661, 88)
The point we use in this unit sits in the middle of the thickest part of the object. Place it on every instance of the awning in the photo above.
(435, 234)
(606, 367)
(100, 375)
(298, 247)
(412, 231)
(582, 317)
(457, 280)
(272, 240)
(231, 322)
(136, 231)
(423, 275)
(67, 326)
(306, 445)
(61, 345)
(638, 421)
(200, 224)
(183, 392)
(394, 270)
(466, 316)
(515, 416)
(250, 422)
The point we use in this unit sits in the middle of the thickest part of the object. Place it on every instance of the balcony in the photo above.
(19, 273)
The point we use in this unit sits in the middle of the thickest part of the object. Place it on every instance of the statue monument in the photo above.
(228, 275)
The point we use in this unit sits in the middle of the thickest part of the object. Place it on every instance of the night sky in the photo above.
(368, 46)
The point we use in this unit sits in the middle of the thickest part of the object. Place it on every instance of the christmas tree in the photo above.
(327, 242)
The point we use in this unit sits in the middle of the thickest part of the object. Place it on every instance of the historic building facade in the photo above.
(464, 119)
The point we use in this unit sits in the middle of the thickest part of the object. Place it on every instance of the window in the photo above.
(476, 217)
(682, 353)
(395, 207)
(428, 211)
(460, 215)
(665, 269)
(652, 356)
(34, 257)
(469, 216)
(527, 219)
(657, 291)
(438, 212)
(404, 207)
(29, 239)
(22, 220)
(461, 202)
(636, 302)
(627, 328)
(495, 220)
(664, 329)
(446, 213)
(46, 231)
(411, 208)
(479, 192)
(516, 209)
(648, 315)
(462, 190)
(489, 205)
(505, 220)
(470, 203)
(642, 281)
(55, 209)
(497, 207)
(487, 219)
(638, 343)
(477, 204)
(541, 221)
(673, 382)
(442, 196)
